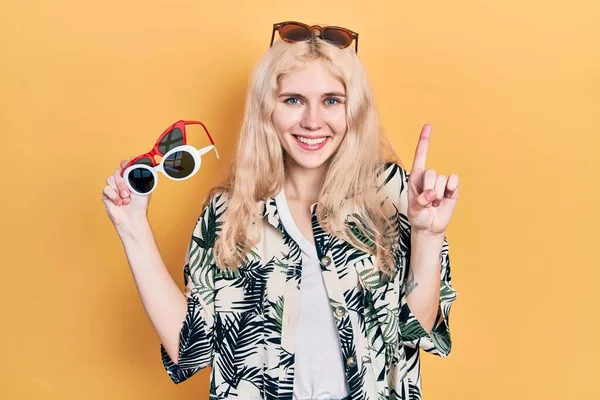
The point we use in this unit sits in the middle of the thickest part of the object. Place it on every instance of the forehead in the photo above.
(314, 76)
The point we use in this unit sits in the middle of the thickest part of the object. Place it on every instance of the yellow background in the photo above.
(510, 87)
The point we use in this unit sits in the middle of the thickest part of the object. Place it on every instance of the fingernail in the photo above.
(124, 193)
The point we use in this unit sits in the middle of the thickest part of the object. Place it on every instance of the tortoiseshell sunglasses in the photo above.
(293, 31)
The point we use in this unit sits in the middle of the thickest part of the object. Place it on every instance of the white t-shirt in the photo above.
(319, 362)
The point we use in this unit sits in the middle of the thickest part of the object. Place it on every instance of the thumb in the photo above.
(426, 198)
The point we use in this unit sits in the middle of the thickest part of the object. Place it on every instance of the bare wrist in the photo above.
(426, 234)
(135, 228)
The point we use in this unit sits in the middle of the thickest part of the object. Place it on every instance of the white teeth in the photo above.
(311, 142)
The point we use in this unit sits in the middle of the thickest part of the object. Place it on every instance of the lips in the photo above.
(310, 137)
(310, 147)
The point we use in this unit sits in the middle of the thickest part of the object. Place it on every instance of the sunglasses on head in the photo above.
(179, 160)
(292, 31)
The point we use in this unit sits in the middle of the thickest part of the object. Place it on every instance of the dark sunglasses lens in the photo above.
(171, 140)
(141, 179)
(179, 165)
(294, 32)
(338, 37)
(145, 161)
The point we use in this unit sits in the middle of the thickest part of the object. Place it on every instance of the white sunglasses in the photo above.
(179, 163)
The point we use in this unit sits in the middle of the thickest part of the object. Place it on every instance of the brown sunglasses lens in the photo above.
(294, 32)
(337, 36)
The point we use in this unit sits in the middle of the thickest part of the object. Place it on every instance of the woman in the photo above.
(320, 267)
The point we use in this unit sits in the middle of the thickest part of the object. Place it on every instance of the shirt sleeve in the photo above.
(196, 337)
(413, 334)
(439, 341)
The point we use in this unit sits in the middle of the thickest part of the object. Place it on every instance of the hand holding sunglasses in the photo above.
(179, 160)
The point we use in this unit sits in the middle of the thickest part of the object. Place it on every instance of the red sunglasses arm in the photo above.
(205, 130)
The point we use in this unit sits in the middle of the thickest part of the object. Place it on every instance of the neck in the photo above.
(303, 184)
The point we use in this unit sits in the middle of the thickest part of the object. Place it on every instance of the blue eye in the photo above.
(335, 101)
(289, 100)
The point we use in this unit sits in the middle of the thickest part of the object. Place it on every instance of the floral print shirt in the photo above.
(243, 324)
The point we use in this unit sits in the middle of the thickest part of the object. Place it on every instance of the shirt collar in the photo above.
(268, 210)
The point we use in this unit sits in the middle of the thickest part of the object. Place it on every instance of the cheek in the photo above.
(338, 123)
(284, 118)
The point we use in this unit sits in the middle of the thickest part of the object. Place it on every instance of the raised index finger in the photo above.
(421, 151)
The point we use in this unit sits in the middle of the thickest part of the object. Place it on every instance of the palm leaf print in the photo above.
(354, 302)
(370, 315)
(360, 234)
(410, 327)
(372, 279)
(355, 380)
(235, 321)
(273, 313)
(287, 359)
(236, 338)
(390, 325)
(414, 393)
(281, 265)
(195, 346)
(271, 387)
(278, 311)
(209, 224)
(204, 280)
(253, 278)
(390, 170)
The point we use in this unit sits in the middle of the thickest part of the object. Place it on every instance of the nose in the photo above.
(312, 119)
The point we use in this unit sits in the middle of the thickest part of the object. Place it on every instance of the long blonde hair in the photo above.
(257, 169)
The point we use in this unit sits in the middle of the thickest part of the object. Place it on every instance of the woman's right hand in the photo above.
(122, 206)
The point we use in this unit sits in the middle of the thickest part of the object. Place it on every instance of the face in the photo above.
(310, 114)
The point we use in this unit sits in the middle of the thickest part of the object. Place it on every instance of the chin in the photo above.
(310, 162)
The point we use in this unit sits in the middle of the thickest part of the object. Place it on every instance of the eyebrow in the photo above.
(328, 94)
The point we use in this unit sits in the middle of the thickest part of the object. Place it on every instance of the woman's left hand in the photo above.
(431, 197)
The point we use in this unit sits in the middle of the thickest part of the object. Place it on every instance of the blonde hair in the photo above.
(257, 169)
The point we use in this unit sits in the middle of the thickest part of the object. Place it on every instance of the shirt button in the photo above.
(340, 311)
(326, 261)
(350, 361)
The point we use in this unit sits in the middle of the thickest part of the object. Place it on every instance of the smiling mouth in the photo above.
(311, 144)
(309, 140)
